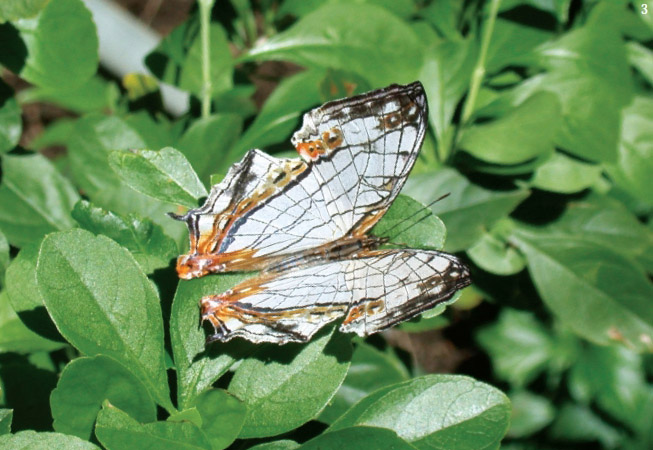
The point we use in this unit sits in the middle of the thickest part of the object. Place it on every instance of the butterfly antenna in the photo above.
(426, 210)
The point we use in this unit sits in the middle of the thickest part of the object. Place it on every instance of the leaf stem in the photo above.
(205, 34)
(479, 69)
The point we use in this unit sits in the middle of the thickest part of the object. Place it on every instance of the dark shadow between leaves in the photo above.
(38, 320)
(14, 52)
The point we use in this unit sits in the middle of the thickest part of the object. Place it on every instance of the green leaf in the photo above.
(634, 166)
(35, 199)
(94, 137)
(411, 224)
(208, 142)
(278, 384)
(95, 94)
(164, 174)
(494, 254)
(576, 423)
(147, 242)
(446, 74)
(20, 9)
(376, 47)
(5, 421)
(565, 175)
(85, 383)
(614, 379)
(61, 46)
(642, 58)
(519, 346)
(178, 59)
(15, 336)
(117, 431)
(583, 284)
(435, 411)
(283, 444)
(522, 134)
(607, 222)
(370, 370)
(357, 438)
(11, 125)
(24, 294)
(102, 302)
(512, 44)
(4, 257)
(198, 368)
(468, 211)
(530, 413)
(591, 92)
(222, 416)
(32, 440)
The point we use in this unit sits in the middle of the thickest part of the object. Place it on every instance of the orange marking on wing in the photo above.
(368, 308)
(195, 265)
(333, 138)
(367, 223)
(312, 149)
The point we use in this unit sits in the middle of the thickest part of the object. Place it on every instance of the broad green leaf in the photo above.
(591, 92)
(446, 74)
(283, 444)
(411, 224)
(199, 367)
(24, 294)
(530, 413)
(4, 257)
(147, 242)
(361, 38)
(642, 58)
(222, 416)
(435, 411)
(61, 46)
(597, 292)
(444, 16)
(576, 423)
(165, 175)
(208, 142)
(565, 175)
(103, 303)
(522, 134)
(117, 431)
(178, 59)
(5, 421)
(370, 370)
(35, 199)
(300, 8)
(95, 94)
(608, 222)
(512, 44)
(358, 438)
(468, 211)
(614, 379)
(85, 384)
(634, 166)
(11, 125)
(278, 384)
(94, 137)
(494, 254)
(57, 133)
(157, 132)
(15, 336)
(519, 346)
(32, 440)
(20, 9)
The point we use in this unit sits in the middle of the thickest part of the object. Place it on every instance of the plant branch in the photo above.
(205, 35)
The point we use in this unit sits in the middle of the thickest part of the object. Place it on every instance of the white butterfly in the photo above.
(303, 222)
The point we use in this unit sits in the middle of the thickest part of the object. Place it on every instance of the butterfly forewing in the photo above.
(355, 156)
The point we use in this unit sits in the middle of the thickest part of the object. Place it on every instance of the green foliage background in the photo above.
(541, 120)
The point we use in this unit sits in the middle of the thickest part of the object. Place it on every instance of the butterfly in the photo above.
(304, 224)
